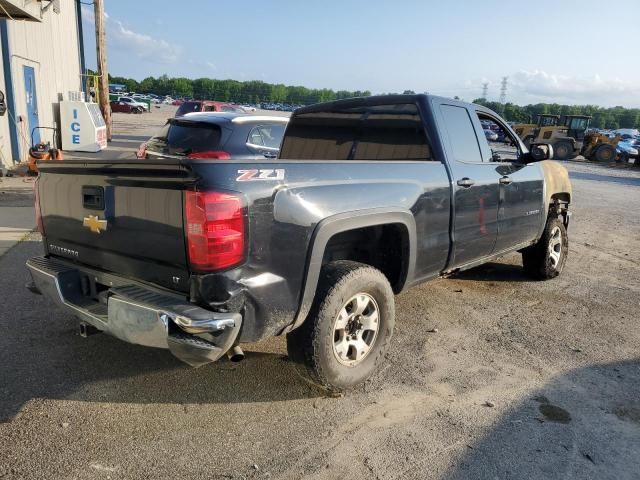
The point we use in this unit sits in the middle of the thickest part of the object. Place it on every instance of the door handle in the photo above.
(505, 180)
(466, 182)
(269, 154)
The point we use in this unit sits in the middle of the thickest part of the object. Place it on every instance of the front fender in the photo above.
(556, 181)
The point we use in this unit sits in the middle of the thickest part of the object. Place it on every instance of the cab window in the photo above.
(578, 124)
(393, 132)
(502, 144)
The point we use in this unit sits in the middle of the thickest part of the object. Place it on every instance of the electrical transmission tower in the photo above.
(485, 90)
(503, 90)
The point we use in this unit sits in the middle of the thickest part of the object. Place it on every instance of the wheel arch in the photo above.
(332, 226)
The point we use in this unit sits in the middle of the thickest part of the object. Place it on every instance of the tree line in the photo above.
(253, 91)
(606, 118)
(256, 91)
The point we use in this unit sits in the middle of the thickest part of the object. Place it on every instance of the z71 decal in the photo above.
(263, 174)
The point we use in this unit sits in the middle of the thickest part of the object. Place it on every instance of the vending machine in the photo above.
(81, 124)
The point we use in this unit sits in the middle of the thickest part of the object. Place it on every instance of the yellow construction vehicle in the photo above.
(569, 138)
(528, 131)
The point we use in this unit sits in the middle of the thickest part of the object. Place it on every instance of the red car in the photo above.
(123, 107)
(207, 106)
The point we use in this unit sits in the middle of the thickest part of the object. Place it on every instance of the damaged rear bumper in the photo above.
(135, 313)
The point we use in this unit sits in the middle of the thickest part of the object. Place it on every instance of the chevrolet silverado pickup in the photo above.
(368, 197)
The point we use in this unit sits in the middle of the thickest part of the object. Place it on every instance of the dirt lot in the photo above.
(521, 380)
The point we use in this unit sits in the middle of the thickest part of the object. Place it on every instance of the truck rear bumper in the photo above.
(135, 313)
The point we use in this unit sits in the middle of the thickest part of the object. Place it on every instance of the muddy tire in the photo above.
(348, 330)
(605, 153)
(562, 150)
(546, 259)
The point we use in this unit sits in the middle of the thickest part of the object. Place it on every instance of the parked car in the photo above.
(490, 135)
(628, 148)
(369, 196)
(126, 107)
(193, 106)
(133, 102)
(220, 136)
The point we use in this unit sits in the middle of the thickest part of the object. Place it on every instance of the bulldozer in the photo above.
(569, 138)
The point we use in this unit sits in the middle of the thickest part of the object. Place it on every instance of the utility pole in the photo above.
(503, 90)
(485, 90)
(103, 73)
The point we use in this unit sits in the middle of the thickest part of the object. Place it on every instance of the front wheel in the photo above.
(606, 153)
(546, 259)
(343, 340)
(562, 150)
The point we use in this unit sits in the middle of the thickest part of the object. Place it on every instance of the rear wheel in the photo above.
(605, 153)
(562, 150)
(343, 340)
(546, 259)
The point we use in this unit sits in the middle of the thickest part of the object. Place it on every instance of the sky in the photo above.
(568, 51)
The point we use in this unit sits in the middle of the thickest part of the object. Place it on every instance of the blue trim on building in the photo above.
(83, 67)
(8, 94)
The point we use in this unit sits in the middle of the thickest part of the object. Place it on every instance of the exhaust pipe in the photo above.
(235, 354)
(87, 330)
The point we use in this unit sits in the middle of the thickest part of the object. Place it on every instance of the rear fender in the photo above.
(343, 222)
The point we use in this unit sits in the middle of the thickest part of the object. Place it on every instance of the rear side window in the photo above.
(266, 136)
(381, 132)
(462, 135)
(231, 109)
(188, 107)
(184, 138)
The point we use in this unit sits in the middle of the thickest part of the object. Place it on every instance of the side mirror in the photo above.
(542, 151)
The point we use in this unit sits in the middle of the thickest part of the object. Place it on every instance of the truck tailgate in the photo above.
(124, 217)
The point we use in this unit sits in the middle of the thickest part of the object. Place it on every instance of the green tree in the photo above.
(181, 87)
(148, 85)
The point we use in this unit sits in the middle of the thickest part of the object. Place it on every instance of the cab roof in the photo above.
(376, 100)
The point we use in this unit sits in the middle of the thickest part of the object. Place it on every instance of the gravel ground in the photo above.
(521, 380)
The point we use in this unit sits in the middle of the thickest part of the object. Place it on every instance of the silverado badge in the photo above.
(94, 224)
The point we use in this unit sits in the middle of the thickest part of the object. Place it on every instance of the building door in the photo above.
(32, 102)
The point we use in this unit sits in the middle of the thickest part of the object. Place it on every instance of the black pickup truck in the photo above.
(369, 196)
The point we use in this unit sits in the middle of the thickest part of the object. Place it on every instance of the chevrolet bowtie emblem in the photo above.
(94, 224)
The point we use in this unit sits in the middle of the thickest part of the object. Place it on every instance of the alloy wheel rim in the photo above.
(355, 329)
(555, 247)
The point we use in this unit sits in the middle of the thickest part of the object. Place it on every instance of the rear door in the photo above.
(475, 185)
(125, 218)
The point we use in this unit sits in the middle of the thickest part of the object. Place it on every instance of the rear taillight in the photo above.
(36, 204)
(215, 230)
(212, 155)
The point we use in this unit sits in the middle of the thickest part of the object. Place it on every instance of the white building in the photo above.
(41, 59)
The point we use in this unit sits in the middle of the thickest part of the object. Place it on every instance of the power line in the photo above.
(485, 90)
(503, 90)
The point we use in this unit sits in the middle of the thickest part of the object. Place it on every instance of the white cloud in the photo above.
(540, 86)
(126, 40)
